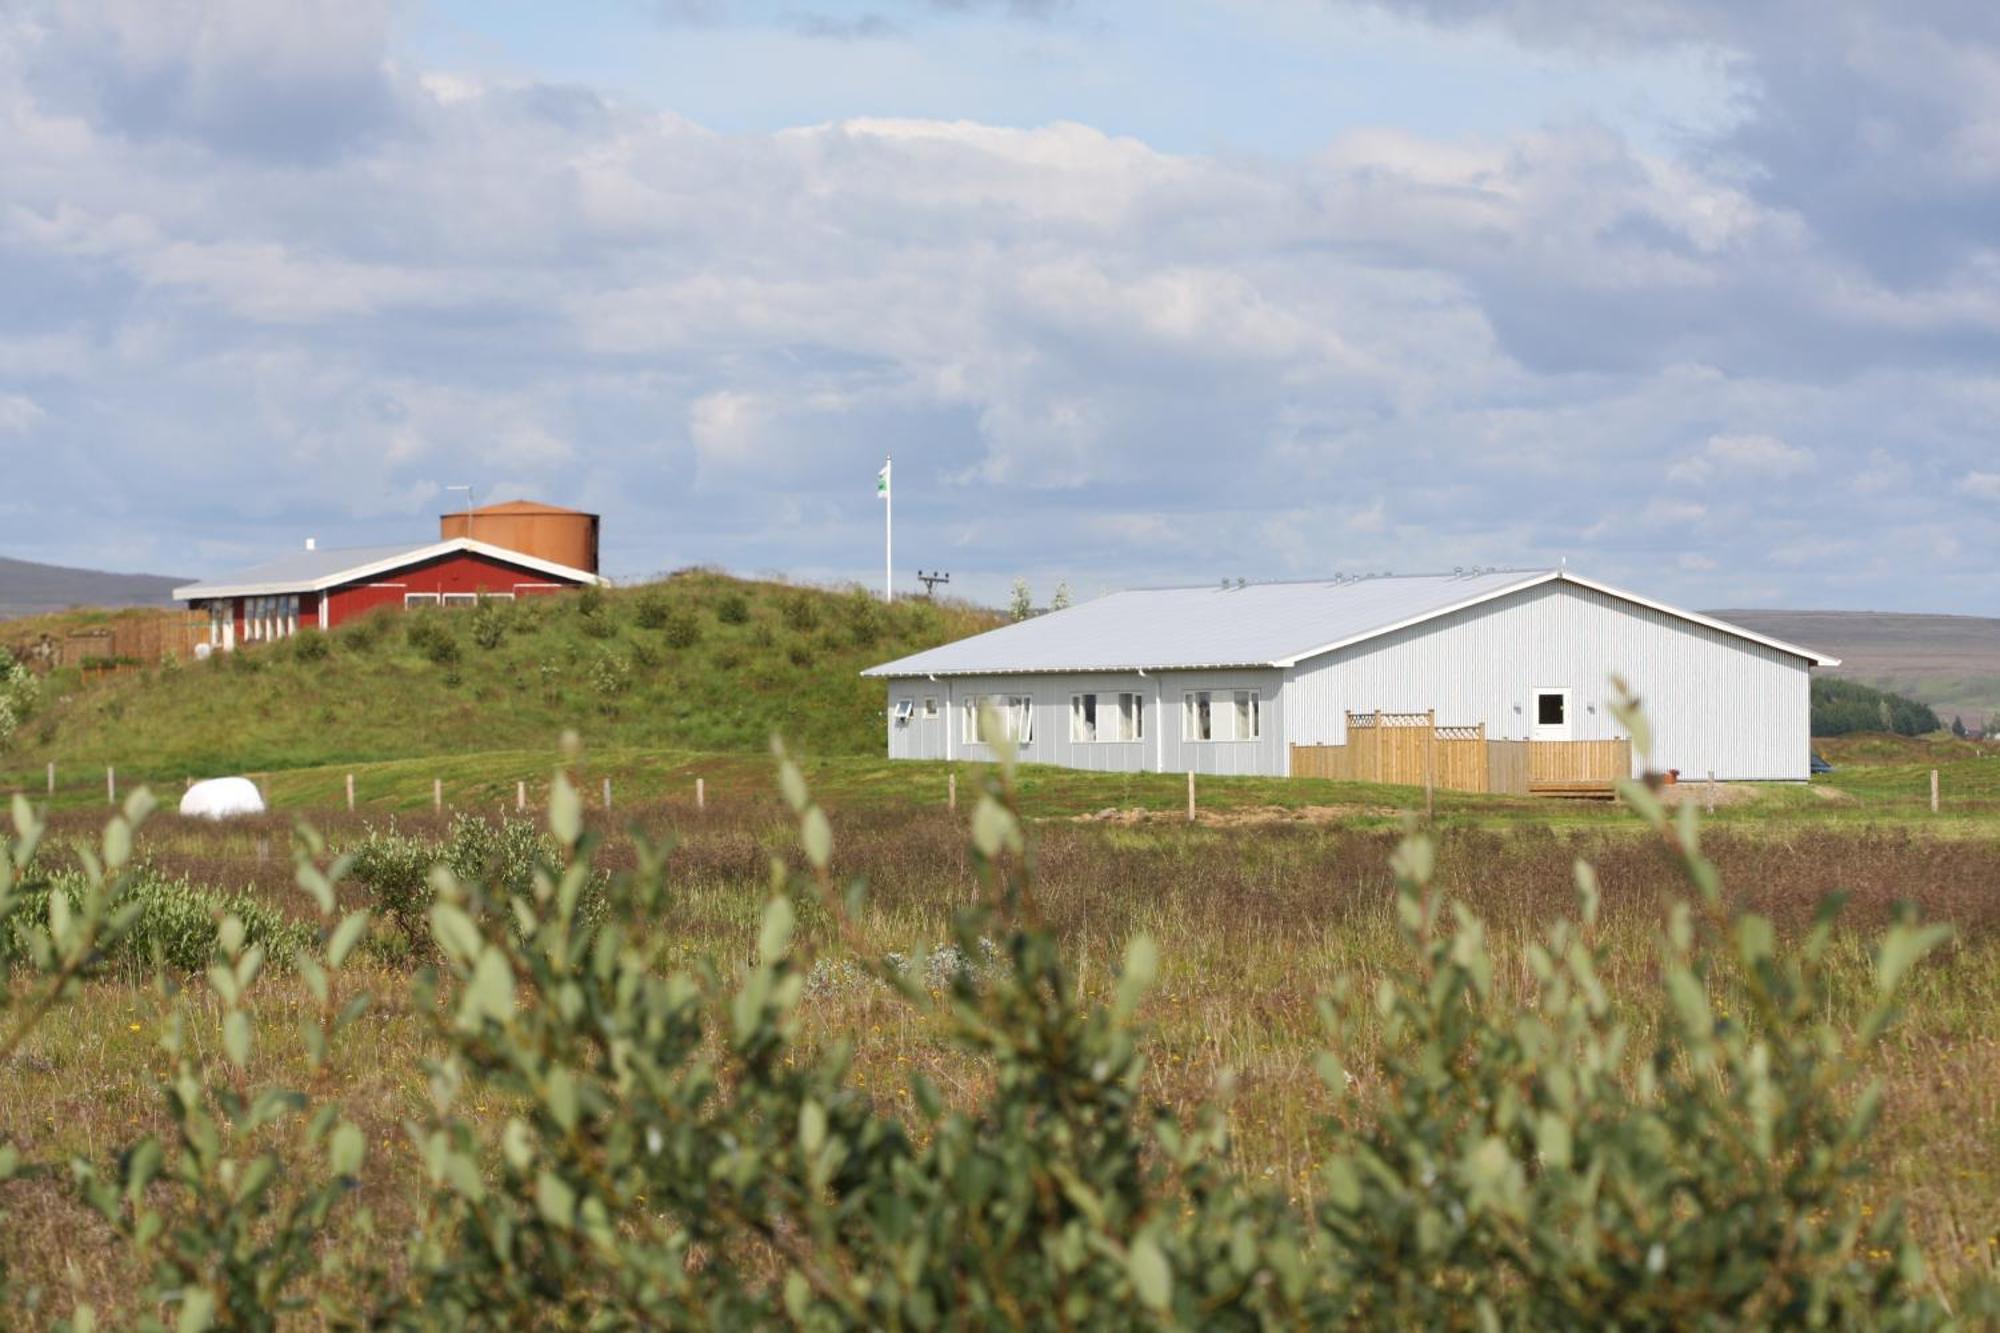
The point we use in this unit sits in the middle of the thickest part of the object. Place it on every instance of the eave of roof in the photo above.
(369, 569)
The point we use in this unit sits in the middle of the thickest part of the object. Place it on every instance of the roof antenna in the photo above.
(468, 508)
(1565, 564)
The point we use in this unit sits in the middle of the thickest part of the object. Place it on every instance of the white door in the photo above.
(1550, 711)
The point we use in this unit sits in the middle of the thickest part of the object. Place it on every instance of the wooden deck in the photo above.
(1411, 749)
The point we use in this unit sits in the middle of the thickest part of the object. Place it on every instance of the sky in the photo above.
(1702, 298)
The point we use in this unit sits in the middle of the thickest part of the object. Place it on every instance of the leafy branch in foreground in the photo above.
(226, 1224)
(671, 1151)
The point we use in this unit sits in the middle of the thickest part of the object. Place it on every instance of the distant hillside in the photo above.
(698, 661)
(1951, 663)
(28, 589)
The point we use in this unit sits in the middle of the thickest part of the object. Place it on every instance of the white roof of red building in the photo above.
(318, 570)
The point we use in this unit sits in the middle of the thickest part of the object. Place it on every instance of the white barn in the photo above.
(1227, 679)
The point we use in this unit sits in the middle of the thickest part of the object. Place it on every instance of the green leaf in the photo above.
(1141, 969)
(817, 836)
(345, 936)
(1152, 1278)
(236, 1037)
(775, 936)
(561, 1098)
(793, 784)
(490, 993)
(565, 811)
(1901, 949)
(197, 1310)
(812, 1127)
(59, 917)
(1552, 1139)
(454, 932)
(992, 827)
(555, 1200)
(344, 1150)
(117, 844)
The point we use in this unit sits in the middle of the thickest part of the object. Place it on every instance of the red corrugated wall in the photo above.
(460, 572)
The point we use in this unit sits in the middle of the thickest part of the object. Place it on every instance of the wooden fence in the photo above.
(126, 640)
(1410, 749)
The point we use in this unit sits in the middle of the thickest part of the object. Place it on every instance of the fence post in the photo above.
(1430, 762)
(350, 793)
(1934, 791)
(951, 791)
(437, 795)
(1711, 791)
(607, 794)
(1190, 796)
(52, 777)
(110, 785)
(520, 796)
(700, 794)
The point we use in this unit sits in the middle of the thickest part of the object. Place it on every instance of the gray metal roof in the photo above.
(1256, 625)
(300, 569)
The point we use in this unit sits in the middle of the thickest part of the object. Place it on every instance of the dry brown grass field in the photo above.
(1254, 923)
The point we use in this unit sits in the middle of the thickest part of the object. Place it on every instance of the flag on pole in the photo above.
(882, 483)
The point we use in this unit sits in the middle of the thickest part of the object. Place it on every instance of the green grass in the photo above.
(698, 662)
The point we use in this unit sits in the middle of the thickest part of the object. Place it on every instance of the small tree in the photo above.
(1958, 726)
(17, 694)
(1060, 602)
(1021, 602)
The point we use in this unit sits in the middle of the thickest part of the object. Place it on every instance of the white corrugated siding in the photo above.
(1715, 702)
(1161, 750)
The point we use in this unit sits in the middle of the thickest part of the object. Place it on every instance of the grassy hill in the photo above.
(27, 588)
(1951, 663)
(700, 662)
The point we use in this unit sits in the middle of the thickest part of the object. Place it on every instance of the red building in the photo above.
(326, 588)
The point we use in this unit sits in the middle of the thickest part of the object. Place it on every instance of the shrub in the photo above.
(801, 611)
(489, 623)
(681, 629)
(610, 676)
(364, 633)
(173, 920)
(645, 655)
(18, 689)
(590, 600)
(652, 609)
(395, 867)
(309, 645)
(732, 609)
(430, 633)
(864, 618)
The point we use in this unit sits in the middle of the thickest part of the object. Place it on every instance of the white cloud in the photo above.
(18, 414)
(1743, 456)
(311, 297)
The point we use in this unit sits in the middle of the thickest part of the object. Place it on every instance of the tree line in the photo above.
(1842, 707)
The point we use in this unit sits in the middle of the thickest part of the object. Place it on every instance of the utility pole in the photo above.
(882, 488)
(931, 581)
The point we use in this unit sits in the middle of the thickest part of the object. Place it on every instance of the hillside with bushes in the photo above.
(1844, 707)
(699, 660)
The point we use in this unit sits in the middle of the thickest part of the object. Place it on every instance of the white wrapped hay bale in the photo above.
(222, 798)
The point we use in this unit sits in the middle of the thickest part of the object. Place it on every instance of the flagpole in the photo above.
(888, 529)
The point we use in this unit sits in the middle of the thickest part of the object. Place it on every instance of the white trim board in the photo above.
(414, 556)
